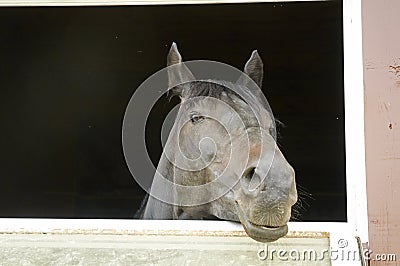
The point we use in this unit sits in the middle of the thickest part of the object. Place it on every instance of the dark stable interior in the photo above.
(67, 74)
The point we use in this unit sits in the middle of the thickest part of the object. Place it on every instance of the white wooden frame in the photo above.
(130, 2)
(357, 221)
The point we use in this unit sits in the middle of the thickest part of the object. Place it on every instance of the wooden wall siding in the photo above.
(381, 55)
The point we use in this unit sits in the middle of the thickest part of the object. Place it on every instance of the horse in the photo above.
(222, 156)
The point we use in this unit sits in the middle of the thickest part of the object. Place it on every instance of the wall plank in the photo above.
(381, 49)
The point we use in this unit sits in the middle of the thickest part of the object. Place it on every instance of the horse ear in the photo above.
(178, 74)
(174, 57)
(254, 68)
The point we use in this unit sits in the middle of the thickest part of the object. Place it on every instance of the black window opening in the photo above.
(67, 74)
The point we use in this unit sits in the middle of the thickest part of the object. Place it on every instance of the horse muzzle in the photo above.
(261, 233)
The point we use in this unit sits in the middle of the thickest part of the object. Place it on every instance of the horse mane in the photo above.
(208, 88)
(139, 213)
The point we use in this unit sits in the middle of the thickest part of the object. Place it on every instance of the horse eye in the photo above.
(196, 118)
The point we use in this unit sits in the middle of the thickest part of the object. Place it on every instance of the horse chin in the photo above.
(261, 233)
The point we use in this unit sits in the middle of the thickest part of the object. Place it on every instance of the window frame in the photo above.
(357, 219)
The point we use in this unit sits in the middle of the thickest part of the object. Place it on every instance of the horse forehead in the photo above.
(251, 113)
(224, 102)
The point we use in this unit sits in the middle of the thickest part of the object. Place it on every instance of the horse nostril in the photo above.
(250, 173)
(250, 179)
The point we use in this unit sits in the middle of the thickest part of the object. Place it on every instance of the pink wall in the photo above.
(381, 52)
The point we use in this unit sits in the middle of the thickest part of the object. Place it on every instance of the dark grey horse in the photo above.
(218, 133)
